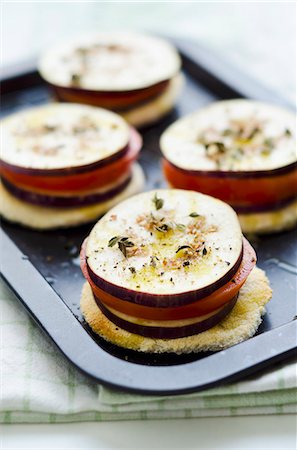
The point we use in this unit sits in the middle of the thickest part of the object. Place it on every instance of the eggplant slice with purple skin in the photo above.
(70, 201)
(177, 328)
(156, 269)
(60, 139)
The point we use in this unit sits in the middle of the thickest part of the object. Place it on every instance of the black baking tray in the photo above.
(42, 268)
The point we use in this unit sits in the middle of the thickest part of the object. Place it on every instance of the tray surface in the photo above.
(55, 255)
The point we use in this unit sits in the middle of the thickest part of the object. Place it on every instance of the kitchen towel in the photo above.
(39, 385)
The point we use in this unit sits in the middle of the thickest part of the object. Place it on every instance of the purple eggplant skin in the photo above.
(163, 300)
(74, 201)
(168, 332)
(253, 209)
(95, 98)
(66, 170)
(238, 174)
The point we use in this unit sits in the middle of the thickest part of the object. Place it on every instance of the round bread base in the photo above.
(239, 325)
(154, 110)
(270, 221)
(44, 218)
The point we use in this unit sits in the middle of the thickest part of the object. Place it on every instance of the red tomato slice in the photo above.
(243, 191)
(196, 309)
(93, 179)
(119, 101)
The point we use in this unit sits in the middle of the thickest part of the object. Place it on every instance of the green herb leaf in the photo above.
(113, 241)
(182, 247)
(132, 269)
(123, 243)
(163, 228)
(269, 143)
(50, 128)
(253, 133)
(158, 202)
(194, 214)
(180, 226)
(220, 146)
(288, 132)
(123, 246)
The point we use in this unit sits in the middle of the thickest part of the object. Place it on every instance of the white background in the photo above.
(258, 36)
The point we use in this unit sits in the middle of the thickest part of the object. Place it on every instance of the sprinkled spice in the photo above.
(153, 261)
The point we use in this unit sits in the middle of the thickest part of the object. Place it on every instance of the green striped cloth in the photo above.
(39, 385)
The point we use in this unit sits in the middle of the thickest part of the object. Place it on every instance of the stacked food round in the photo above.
(243, 152)
(169, 265)
(64, 165)
(134, 74)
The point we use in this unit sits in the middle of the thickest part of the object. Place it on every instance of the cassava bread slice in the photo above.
(239, 325)
(43, 218)
(270, 221)
(153, 110)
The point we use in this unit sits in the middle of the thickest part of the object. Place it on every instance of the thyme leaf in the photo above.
(113, 241)
(219, 145)
(180, 226)
(182, 247)
(158, 202)
(163, 228)
(123, 243)
(269, 143)
(194, 214)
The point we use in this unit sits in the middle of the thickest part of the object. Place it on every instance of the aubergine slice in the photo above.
(59, 139)
(165, 248)
(172, 329)
(233, 138)
(84, 198)
(120, 63)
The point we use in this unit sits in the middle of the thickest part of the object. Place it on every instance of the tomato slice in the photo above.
(196, 309)
(119, 101)
(93, 179)
(241, 191)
